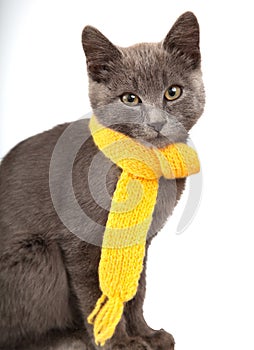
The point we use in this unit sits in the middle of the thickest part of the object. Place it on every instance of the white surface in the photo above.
(200, 283)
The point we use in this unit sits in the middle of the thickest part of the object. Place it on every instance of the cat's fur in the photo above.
(48, 276)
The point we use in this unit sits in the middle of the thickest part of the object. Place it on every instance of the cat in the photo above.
(49, 276)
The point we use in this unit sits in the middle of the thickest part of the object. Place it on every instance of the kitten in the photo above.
(49, 275)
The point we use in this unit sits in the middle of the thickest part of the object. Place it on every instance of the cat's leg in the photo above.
(35, 295)
(67, 340)
(136, 324)
(82, 261)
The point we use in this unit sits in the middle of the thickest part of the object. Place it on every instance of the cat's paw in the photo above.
(132, 344)
(160, 340)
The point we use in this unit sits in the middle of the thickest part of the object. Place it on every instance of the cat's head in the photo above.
(152, 92)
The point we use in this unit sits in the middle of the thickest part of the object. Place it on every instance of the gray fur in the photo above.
(48, 275)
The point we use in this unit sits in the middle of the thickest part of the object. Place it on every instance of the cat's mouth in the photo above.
(157, 140)
(147, 135)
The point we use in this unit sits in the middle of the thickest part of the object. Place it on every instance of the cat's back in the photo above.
(32, 151)
(24, 179)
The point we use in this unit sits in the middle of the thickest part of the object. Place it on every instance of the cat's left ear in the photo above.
(101, 55)
(183, 39)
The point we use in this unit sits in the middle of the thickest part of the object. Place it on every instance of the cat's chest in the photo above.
(95, 178)
(167, 197)
(168, 194)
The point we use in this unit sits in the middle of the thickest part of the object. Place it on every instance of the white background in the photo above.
(200, 283)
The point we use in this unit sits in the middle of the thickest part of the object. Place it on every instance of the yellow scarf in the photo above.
(130, 216)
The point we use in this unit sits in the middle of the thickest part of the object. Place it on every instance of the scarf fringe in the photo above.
(105, 317)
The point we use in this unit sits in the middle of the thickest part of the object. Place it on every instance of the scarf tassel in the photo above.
(105, 317)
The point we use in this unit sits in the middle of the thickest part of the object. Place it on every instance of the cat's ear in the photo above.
(101, 54)
(183, 38)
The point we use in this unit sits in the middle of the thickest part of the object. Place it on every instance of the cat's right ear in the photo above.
(101, 55)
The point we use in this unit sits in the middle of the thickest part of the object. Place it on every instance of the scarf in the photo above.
(130, 216)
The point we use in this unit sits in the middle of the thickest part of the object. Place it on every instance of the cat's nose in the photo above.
(158, 125)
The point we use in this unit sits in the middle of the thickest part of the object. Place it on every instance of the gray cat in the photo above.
(48, 275)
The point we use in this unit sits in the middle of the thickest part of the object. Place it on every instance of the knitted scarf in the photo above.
(130, 216)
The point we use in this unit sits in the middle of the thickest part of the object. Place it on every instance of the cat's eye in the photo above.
(130, 99)
(173, 92)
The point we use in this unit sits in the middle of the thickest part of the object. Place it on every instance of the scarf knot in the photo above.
(150, 163)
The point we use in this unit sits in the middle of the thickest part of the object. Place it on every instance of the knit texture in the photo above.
(130, 217)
